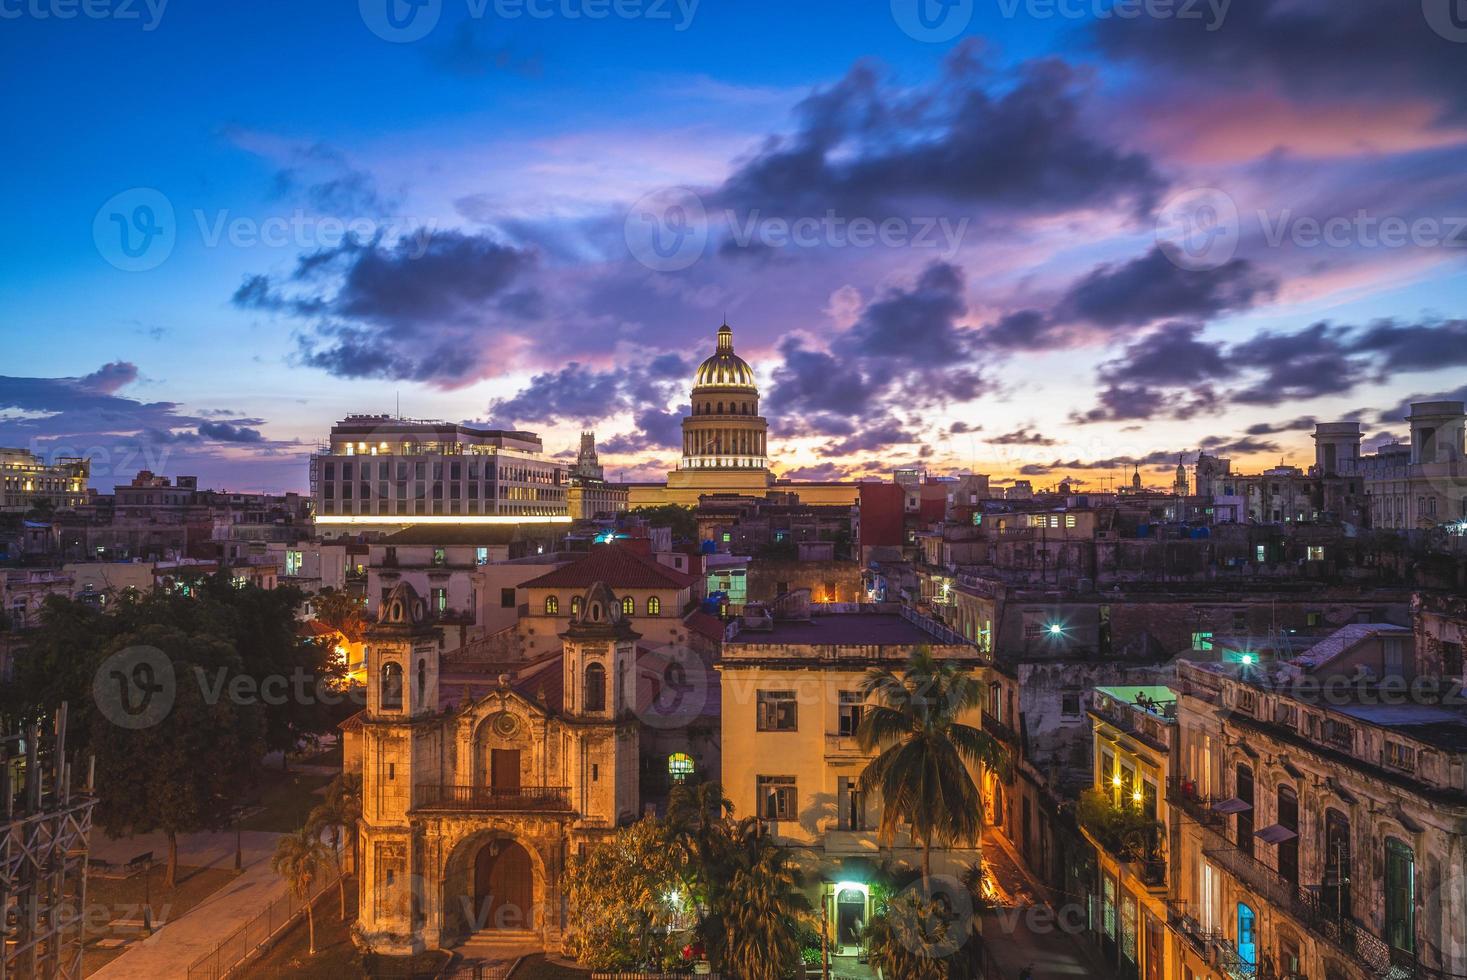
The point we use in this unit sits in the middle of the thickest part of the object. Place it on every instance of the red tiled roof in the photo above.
(706, 625)
(618, 567)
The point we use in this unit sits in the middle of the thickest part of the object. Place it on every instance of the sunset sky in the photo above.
(1102, 239)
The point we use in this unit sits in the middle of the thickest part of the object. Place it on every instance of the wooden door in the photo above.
(504, 886)
(504, 769)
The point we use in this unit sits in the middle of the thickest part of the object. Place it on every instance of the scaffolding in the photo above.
(43, 853)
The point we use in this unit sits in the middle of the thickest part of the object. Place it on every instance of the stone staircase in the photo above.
(489, 956)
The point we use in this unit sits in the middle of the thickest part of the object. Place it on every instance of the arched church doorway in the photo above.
(504, 887)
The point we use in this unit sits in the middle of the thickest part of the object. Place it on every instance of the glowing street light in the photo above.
(1055, 629)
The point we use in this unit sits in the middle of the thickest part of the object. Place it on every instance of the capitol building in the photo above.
(725, 441)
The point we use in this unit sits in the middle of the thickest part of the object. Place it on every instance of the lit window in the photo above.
(654, 606)
(1316, 552)
(680, 766)
(552, 605)
(628, 605)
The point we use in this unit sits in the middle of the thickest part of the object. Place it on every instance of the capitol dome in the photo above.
(724, 369)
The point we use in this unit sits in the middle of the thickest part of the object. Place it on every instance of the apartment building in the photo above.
(1323, 809)
(792, 705)
(26, 478)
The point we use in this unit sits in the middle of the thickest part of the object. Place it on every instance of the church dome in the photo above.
(724, 369)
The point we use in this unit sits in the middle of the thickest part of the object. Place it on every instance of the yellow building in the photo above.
(725, 441)
(1124, 816)
(791, 708)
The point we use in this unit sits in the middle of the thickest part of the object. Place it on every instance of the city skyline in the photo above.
(1019, 242)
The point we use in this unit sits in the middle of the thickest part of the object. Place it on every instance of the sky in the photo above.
(1039, 239)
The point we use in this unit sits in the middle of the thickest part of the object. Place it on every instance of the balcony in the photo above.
(490, 799)
(1127, 834)
(999, 730)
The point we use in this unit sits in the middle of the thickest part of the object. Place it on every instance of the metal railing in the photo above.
(258, 933)
(444, 797)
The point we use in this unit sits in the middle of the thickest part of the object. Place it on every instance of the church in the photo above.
(725, 442)
(471, 810)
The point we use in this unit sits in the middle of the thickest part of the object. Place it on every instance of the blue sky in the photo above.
(488, 170)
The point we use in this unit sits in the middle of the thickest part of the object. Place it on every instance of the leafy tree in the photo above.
(913, 937)
(682, 520)
(186, 770)
(761, 910)
(921, 771)
(341, 611)
(337, 816)
(625, 899)
(300, 858)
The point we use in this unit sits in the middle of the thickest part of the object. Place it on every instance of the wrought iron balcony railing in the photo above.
(491, 798)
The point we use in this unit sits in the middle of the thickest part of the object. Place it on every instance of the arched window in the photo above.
(654, 606)
(1288, 848)
(391, 686)
(720, 408)
(422, 681)
(575, 605)
(595, 689)
(552, 605)
(1335, 893)
(680, 766)
(628, 605)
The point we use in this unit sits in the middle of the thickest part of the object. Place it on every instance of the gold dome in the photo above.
(724, 369)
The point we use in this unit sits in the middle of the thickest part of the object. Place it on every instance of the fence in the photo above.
(256, 934)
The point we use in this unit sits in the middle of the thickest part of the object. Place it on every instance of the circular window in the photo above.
(505, 724)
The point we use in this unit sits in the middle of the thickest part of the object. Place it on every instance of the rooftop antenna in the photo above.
(399, 406)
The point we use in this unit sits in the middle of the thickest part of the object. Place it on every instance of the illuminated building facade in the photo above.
(26, 478)
(381, 472)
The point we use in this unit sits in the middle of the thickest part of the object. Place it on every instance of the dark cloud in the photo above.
(325, 178)
(1022, 437)
(87, 416)
(465, 55)
(580, 393)
(1312, 49)
(820, 471)
(444, 307)
(1314, 361)
(905, 351)
(1304, 423)
(1018, 143)
(1152, 287)
(1425, 346)
(1171, 355)
(1398, 412)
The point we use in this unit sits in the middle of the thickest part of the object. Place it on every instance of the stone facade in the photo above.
(470, 811)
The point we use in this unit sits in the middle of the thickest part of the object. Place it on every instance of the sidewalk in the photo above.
(170, 950)
(1023, 930)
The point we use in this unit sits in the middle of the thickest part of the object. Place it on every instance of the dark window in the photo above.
(777, 797)
(1288, 817)
(851, 706)
(1244, 792)
(391, 690)
(1400, 896)
(595, 699)
(777, 711)
(506, 598)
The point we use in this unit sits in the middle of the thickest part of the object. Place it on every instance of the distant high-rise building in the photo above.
(588, 464)
(384, 472)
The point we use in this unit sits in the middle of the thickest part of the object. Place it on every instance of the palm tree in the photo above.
(300, 859)
(761, 907)
(337, 816)
(921, 771)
